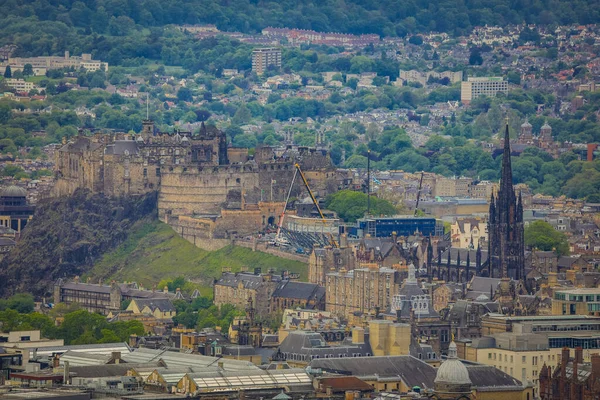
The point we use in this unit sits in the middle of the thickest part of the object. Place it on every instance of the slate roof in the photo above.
(250, 281)
(299, 290)
(566, 262)
(120, 147)
(80, 145)
(163, 305)
(411, 370)
(487, 376)
(484, 285)
(312, 344)
(381, 246)
(454, 252)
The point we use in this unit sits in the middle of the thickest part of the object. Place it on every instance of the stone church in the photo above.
(506, 245)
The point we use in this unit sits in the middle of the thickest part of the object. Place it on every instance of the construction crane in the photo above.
(316, 203)
(419, 194)
(278, 238)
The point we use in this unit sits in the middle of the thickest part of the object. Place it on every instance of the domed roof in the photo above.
(13, 191)
(526, 124)
(452, 371)
(546, 126)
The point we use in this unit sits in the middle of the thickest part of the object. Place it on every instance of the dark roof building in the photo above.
(292, 294)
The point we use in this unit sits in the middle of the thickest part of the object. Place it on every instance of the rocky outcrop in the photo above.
(67, 235)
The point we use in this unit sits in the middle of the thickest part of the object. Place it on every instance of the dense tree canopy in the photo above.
(350, 205)
(541, 235)
(386, 17)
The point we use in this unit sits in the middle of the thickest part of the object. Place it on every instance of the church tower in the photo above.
(505, 226)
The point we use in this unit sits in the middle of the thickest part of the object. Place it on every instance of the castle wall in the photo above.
(201, 191)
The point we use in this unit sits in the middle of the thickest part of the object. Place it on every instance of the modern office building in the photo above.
(485, 86)
(401, 225)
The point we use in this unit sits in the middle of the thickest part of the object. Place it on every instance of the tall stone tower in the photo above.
(505, 226)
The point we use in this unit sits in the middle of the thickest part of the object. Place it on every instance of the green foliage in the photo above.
(351, 205)
(201, 313)
(154, 252)
(20, 302)
(541, 235)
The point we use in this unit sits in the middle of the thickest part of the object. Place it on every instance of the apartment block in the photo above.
(360, 291)
(485, 86)
(265, 57)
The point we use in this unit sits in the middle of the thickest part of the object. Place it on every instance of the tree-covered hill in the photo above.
(384, 17)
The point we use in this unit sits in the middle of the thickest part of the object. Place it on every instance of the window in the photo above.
(25, 338)
(534, 360)
(523, 373)
(511, 359)
(524, 359)
(489, 356)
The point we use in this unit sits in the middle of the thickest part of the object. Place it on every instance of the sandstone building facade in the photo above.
(202, 193)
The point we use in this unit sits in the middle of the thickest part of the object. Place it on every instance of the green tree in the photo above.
(242, 115)
(8, 72)
(27, 70)
(184, 94)
(541, 235)
(351, 205)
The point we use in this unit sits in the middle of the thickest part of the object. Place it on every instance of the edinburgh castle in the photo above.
(207, 191)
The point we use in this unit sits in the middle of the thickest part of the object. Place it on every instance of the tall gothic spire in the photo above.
(506, 185)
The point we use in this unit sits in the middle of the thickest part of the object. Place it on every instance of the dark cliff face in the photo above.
(66, 236)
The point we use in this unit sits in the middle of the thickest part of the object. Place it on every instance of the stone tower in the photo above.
(526, 134)
(505, 226)
(545, 137)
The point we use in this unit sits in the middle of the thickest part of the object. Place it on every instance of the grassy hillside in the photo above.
(153, 252)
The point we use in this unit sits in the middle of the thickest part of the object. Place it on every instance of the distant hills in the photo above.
(383, 17)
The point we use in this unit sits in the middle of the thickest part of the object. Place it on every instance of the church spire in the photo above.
(506, 185)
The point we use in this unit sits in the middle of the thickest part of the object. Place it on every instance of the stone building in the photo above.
(468, 232)
(322, 261)
(571, 379)
(243, 288)
(506, 246)
(291, 294)
(452, 379)
(362, 291)
(104, 299)
(203, 193)
(15, 213)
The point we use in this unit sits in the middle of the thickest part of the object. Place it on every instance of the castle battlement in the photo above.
(194, 176)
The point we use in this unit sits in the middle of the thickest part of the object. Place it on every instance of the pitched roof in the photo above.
(483, 376)
(299, 290)
(411, 370)
(163, 305)
(344, 383)
(312, 344)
